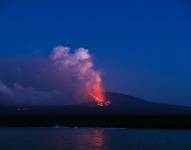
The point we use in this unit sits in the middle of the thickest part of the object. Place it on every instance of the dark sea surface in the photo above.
(61, 138)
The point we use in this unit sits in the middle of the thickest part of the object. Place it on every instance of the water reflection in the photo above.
(95, 138)
(98, 138)
(92, 139)
(76, 139)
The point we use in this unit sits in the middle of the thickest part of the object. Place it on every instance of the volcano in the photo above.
(130, 105)
(124, 111)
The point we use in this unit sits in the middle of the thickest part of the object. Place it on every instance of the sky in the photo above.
(143, 48)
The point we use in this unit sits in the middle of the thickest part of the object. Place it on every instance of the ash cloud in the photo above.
(63, 78)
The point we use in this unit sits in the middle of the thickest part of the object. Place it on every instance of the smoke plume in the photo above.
(80, 65)
(63, 78)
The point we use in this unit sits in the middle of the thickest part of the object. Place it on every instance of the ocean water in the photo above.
(60, 138)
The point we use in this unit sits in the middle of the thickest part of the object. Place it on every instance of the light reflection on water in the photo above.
(98, 139)
(92, 139)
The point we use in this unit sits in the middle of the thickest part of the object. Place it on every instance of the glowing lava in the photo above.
(96, 90)
(98, 96)
(99, 100)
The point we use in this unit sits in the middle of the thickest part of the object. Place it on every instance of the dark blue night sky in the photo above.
(142, 46)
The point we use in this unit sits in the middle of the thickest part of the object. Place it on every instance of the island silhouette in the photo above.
(124, 111)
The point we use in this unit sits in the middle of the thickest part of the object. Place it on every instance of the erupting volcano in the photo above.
(97, 92)
(81, 67)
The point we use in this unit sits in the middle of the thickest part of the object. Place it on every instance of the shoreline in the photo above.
(141, 122)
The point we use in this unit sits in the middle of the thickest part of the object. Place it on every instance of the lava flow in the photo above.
(98, 95)
(99, 100)
(96, 90)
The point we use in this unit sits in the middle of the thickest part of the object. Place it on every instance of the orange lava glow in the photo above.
(99, 100)
(98, 95)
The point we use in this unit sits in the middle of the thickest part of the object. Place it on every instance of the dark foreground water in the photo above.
(93, 139)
